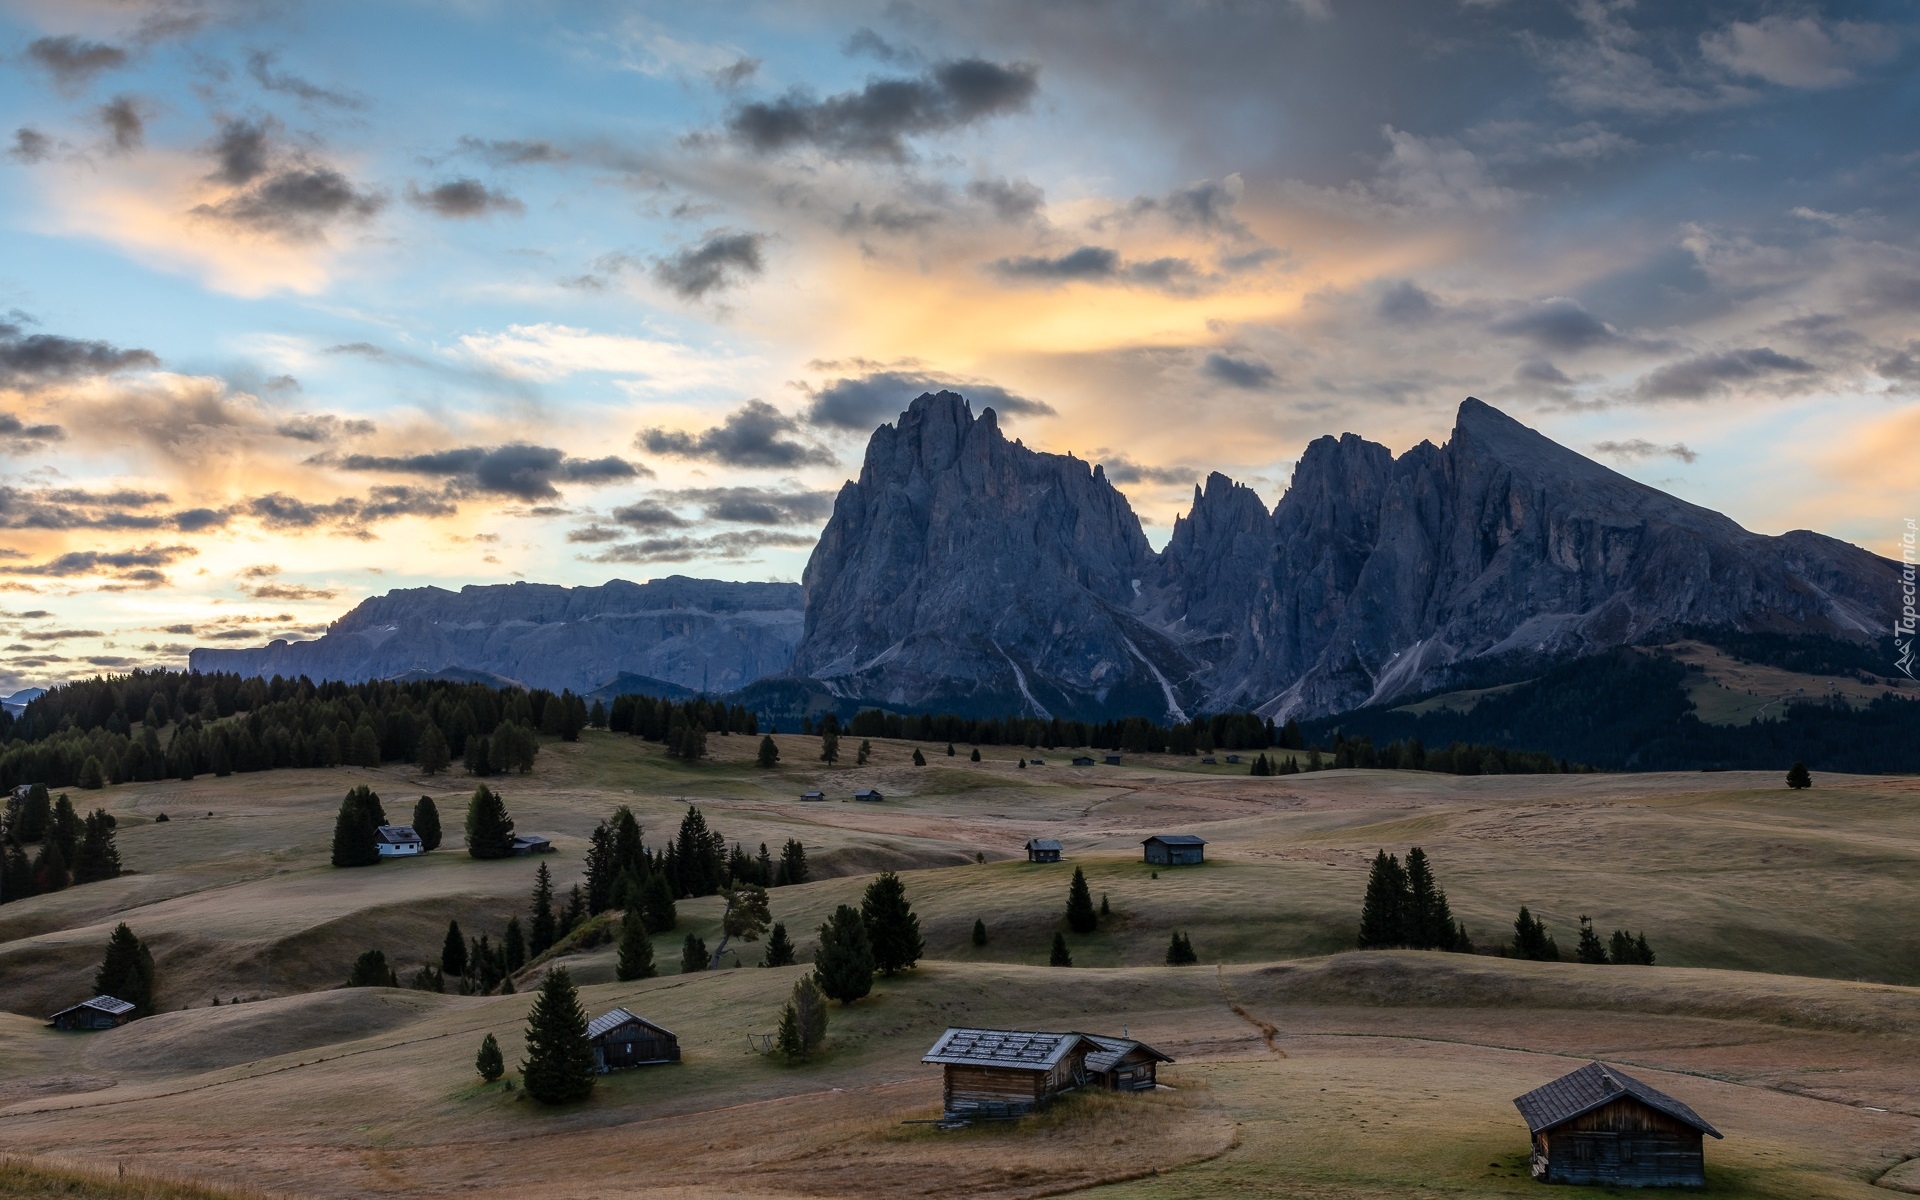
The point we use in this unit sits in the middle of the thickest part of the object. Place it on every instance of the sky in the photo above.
(300, 303)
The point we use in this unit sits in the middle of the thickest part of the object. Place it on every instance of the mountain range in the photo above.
(965, 572)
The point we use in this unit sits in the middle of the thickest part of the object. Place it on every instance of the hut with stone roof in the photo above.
(101, 1012)
(1599, 1126)
(1008, 1072)
(1124, 1065)
(621, 1040)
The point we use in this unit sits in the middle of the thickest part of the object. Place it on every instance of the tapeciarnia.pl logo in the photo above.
(1903, 626)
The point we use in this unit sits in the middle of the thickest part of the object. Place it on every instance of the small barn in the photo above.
(1233, 758)
(1599, 1125)
(869, 795)
(101, 1012)
(1175, 849)
(621, 1040)
(1124, 1065)
(1113, 760)
(398, 841)
(532, 843)
(1038, 762)
(1043, 850)
(1008, 1072)
(1081, 760)
(813, 795)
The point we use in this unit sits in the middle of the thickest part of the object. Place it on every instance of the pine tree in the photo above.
(1642, 953)
(693, 955)
(35, 813)
(597, 715)
(431, 751)
(97, 857)
(780, 951)
(810, 1005)
(489, 828)
(769, 752)
(949, 749)
(656, 903)
(559, 1064)
(540, 932)
(1180, 951)
(979, 932)
(919, 759)
(1591, 950)
(1080, 915)
(426, 822)
(1059, 957)
(1429, 917)
(786, 1042)
(976, 755)
(49, 868)
(428, 979)
(453, 953)
(371, 970)
(1531, 939)
(1383, 914)
(16, 874)
(370, 800)
(892, 928)
(843, 965)
(830, 744)
(1797, 777)
(356, 839)
(636, 950)
(793, 862)
(488, 1062)
(126, 973)
(363, 749)
(64, 829)
(866, 751)
(513, 946)
(93, 776)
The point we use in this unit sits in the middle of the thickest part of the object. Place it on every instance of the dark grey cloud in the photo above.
(514, 152)
(722, 260)
(40, 357)
(754, 435)
(757, 506)
(77, 508)
(734, 73)
(140, 568)
(1096, 264)
(1012, 200)
(1898, 291)
(73, 61)
(278, 510)
(18, 437)
(1406, 302)
(1558, 323)
(59, 635)
(876, 121)
(260, 65)
(1712, 374)
(594, 534)
(125, 122)
(862, 402)
(464, 198)
(1248, 373)
(30, 146)
(1901, 366)
(323, 427)
(1634, 449)
(1541, 371)
(1206, 205)
(517, 469)
(298, 200)
(242, 151)
(650, 514)
(889, 217)
(866, 41)
(287, 591)
(1119, 469)
(740, 544)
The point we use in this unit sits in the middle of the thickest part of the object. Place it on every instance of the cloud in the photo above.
(549, 351)
(1207, 204)
(1634, 449)
(1539, 370)
(721, 261)
(288, 591)
(242, 151)
(514, 152)
(74, 61)
(594, 534)
(38, 357)
(1121, 470)
(736, 545)
(1406, 303)
(650, 514)
(30, 146)
(750, 436)
(324, 427)
(125, 123)
(277, 510)
(876, 121)
(864, 401)
(296, 201)
(1712, 374)
(757, 506)
(1248, 373)
(734, 73)
(517, 469)
(140, 568)
(1095, 264)
(17, 437)
(1799, 52)
(464, 198)
(77, 508)
(260, 66)
(1012, 200)
(1557, 323)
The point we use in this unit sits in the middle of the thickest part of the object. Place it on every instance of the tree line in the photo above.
(71, 849)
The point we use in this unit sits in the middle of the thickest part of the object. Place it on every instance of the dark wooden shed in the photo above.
(1175, 849)
(621, 1040)
(1043, 850)
(1081, 760)
(1008, 1072)
(1124, 1065)
(532, 843)
(1599, 1125)
(1113, 760)
(813, 795)
(101, 1012)
(869, 795)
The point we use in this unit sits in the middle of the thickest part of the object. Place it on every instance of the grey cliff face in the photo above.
(700, 634)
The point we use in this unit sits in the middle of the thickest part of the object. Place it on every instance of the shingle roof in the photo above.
(1589, 1088)
(1004, 1048)
(617, 1018)
(394, 834)
(1113, 1049)
(111, 1005)
(1043, 844)
(1176, 839)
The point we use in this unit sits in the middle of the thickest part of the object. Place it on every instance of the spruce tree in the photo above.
(693, 955)
(540, 931)
(126, 973)
(830, 745)
(370, 800)
(892, 928)
(976, 755)
(97, 857)
(769, 755)
(64, 828)
(371, 970)
(628, 851)
(356, 839)
(793, 862)
(1797, 777)
(656, 903)
(93, 776)
(1531, 939)
(16, 874)
(431, 752)
(1642, 953)
(636, 950)
(979, 932)
(1080, 915)
(1591, 950)
(919, 759)
(1180, 950)
(35, 813)
(865, 752)
(810, 1005)
(50, 868)
(488, 1062)
(559, 1064)
(426, 822)
(1059, 957)
(949, 749)
(780, 952)
(489, 828)
(843, 965)
(453, 953)
(513, 946)
(1429, 917)
(1383, 914)
(786, 1042)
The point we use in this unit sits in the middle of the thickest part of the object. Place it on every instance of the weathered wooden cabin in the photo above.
(101, 1012)
(398, 841)
(1598, 1125)
(621, 1040)
(813, 795)
(1043, 850)
(532, 843)
(1081, 760)
(1007, 1072)
(1124, 1065)
(1113, 760)
(1175, 849)
(869, 795)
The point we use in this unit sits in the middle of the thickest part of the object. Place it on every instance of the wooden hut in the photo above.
(398, 841)
(869, 795)
(1124, 1065)
(1175, 849)
(1043, 850)
(1113, 760)
(101, 1012)
(532, 843)
(621, 1040)
(1081, 760)
(1599, 1126)
(1007, 1072)
(813, 795)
